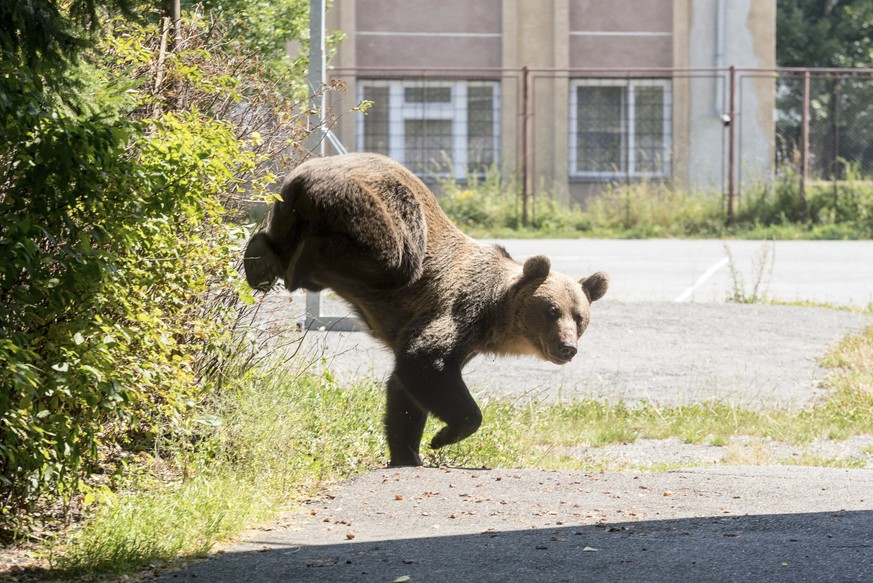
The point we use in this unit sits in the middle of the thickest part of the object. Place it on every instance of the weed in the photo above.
(281, 434)
(755, 453)
(762, 272)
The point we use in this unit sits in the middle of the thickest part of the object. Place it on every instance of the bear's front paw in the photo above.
(411, 459)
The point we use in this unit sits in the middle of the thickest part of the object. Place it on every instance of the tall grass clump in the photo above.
(490, 205)
(482, 202)
(650, 209)
(270, 438)
(827, 210)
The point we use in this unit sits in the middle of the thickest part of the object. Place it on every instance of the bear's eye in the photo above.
(580, 321)
(554, 311)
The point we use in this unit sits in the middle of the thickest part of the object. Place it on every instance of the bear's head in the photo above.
(553, 310)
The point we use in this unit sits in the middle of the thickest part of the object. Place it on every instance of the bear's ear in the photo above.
(537, 267)
(595, 285)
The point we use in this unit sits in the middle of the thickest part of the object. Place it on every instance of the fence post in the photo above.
(804, 137)
(836, 128)
(527, 177)
(732, 138)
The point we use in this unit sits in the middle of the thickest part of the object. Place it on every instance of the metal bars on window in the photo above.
(620, 128)
(437, 128)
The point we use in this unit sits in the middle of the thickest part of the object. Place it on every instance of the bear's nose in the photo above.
(568, 351)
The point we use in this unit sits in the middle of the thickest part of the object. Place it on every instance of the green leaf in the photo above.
(206, 419)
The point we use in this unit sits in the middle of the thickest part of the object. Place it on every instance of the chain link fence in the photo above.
(824, 123)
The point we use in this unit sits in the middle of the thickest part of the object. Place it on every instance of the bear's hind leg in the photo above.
(302, 265)
(337, 260)
(404, 425)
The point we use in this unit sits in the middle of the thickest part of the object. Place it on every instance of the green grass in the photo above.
(808, 459)
(274, 437)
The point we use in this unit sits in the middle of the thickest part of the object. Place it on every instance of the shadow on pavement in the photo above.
(827, 546)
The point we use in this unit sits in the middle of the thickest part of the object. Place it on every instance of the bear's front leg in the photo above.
(436, 386)
(404, 425)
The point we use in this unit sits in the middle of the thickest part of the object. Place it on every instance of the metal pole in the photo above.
(177, 26)
(315, 139)
(317, 101)
(732, 138)
(804, 137)
(526, 134)
(837, 168)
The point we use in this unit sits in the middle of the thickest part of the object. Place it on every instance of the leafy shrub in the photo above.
(113, 239)
(99, 323)
(490, 201)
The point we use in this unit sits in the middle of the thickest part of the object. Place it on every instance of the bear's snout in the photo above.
(567, 351)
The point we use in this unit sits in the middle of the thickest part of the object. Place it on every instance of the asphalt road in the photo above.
(663, 334)
(724, 524)
(666, 270)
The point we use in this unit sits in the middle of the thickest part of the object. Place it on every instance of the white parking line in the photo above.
(706, 275)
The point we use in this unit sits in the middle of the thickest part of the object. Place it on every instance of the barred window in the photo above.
(620, 128)
(435, 128)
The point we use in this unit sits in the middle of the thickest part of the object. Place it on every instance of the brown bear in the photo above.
(366, 227)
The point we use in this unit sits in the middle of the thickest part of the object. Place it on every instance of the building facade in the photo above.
(576, 93)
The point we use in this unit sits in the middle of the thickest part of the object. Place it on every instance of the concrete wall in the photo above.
(621, 33)
(423, 33)
(723, 33)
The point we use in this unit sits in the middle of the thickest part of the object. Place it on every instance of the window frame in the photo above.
(456, 111)
(629, 154)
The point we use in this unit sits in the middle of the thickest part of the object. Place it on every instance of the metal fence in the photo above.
(824, 123)
(575, 131)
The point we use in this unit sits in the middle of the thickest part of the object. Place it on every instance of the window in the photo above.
(620, 128)
(435, 128)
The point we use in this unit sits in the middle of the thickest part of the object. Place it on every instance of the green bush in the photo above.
(113, 239)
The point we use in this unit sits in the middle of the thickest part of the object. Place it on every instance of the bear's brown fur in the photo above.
(368, 228)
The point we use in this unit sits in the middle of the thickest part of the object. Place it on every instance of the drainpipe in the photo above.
(720, 54)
